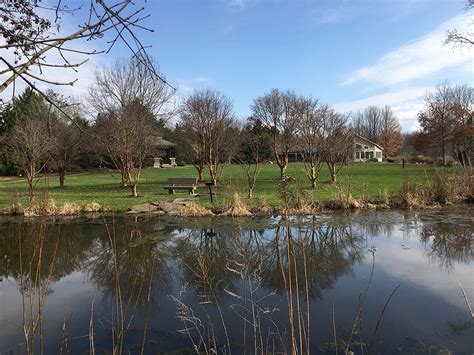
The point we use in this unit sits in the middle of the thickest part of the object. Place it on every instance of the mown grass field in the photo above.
(102, 187)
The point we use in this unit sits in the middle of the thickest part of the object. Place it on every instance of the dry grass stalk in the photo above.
(195, 210)
(467, 301)
(237, 208)
(34, 287)
(344, 200)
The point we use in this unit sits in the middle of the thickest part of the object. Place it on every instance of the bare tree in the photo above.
(380, 125)
(390, 137)
(126, 137)
(207, 116)
(461, 39)
(311, 137)
(128, 102)
(28, 144)
(36, 41)
(368, 123)
(463, 134)
(279, 111)
(250, 159)
(337, 143)
(66, 143)
(447, 122)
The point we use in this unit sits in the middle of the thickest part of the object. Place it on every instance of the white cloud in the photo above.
(336, 15)
(238, 3)
(417, 59)
(401, 263)
(406, 103)
(185, 86)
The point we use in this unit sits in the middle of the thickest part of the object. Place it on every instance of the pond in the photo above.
(369, 282)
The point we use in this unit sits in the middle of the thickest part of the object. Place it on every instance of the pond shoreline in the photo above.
(188, 207)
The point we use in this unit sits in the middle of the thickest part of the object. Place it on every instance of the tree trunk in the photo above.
(213, 174)
(313, 177)
(134, 190)
(444, 154)
(283, 164)
(332, 171)
(30, 177)
(124, 182)
(31, 189)
(250, 193)
(200, 170)
(62, 177)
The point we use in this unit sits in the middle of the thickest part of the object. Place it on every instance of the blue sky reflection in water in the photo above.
(428, 253)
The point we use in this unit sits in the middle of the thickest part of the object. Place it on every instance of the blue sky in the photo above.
(346, 53)
(349, 54)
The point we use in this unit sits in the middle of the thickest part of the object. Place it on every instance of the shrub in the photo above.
(373, 160)
(291, 196)
(194, 210)
(420, 159)
(237, 208)
(343, 199)
(390, 160)
(180, 163)
(93, 207)
(452, 187)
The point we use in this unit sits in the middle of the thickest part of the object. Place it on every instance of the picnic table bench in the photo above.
(181, 184)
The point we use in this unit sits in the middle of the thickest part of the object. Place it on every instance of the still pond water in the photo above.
(158, 285)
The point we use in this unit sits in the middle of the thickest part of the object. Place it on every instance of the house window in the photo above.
(357, 155)
(366, 147)
(358, 146)
(379, 155)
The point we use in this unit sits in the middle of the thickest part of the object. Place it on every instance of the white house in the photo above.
(365, 150)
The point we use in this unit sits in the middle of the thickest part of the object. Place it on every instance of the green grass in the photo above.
(103, 188)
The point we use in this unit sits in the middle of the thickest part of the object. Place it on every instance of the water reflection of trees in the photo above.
(134, 257)
(22, 240)
(130, 265)
(204, 255)
(330, 252)
(448, 242)
(37, 253)
(299, 262)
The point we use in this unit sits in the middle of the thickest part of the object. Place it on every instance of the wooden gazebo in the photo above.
(165, 156)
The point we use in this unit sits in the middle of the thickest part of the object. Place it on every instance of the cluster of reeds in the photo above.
(260, 334)
(131, 285)
(294, 200)
(447, 187)
(292, 268)
(194, 210)
(35, 279)
(237, 208)
(412, 195)
(342, 198)
(454, 186)
(46, 206)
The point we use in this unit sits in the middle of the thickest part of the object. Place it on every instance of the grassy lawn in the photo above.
(103, 188)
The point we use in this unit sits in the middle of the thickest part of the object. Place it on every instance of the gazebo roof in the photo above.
(163, 143)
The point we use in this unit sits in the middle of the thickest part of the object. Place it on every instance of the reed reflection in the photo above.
(248, 267)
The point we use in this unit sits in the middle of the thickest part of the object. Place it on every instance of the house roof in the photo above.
(369, 141)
